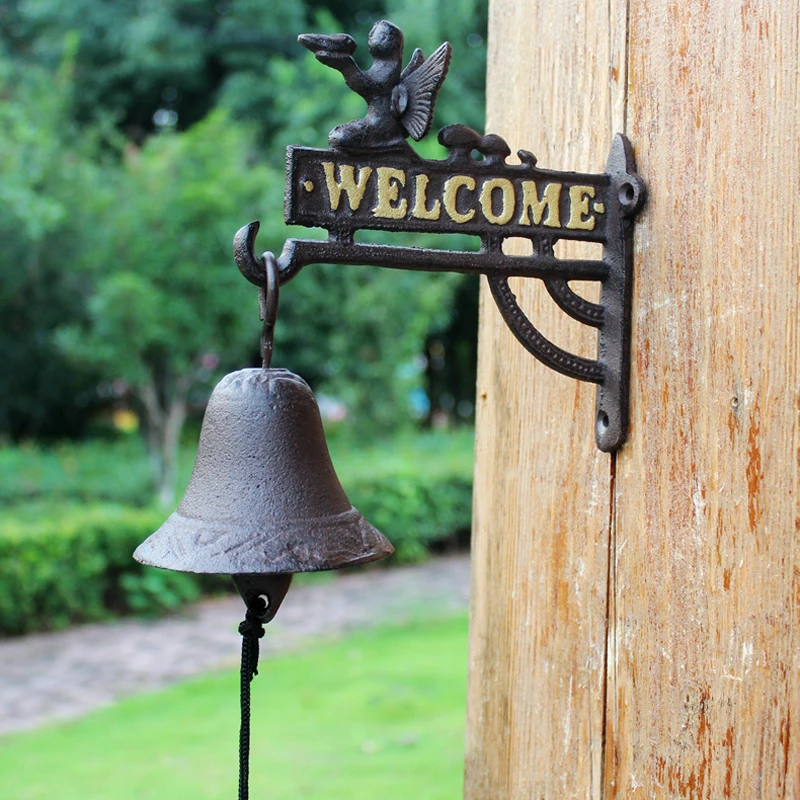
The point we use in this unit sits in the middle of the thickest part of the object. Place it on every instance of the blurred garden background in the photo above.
(136, 137)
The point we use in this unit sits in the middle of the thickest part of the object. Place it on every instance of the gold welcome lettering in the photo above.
(389, 182)
(347, 183)
(579, 217)
(420, 196)
(421, 210)
(531, 204)
(508, 200)
(450, 197)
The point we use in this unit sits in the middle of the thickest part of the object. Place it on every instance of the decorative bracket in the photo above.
(372, 179)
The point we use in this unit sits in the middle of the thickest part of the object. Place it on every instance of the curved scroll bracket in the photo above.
(582, 369)
(573, 304)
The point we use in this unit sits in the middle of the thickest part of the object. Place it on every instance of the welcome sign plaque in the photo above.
(339, 192)
(372, 179)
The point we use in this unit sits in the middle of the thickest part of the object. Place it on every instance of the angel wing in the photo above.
(422, 84)
(417, 57)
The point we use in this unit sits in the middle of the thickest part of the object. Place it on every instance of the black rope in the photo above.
(252, 629)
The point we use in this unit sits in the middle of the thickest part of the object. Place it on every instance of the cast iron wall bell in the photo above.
(264, 501)
(263, 498)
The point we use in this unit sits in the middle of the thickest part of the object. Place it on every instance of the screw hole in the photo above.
(626, 194)
(602, 420)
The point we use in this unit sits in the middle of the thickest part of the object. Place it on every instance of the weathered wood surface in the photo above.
(703, 697)
(671, 668)
(541, 530)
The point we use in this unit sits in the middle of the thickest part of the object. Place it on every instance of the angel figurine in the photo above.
(399, 103)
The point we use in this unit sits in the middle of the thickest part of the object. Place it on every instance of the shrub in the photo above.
(87, 472)
(414, 511)
(60, 565)
(75, 565)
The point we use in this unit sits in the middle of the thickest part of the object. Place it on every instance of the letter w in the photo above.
(354, 189)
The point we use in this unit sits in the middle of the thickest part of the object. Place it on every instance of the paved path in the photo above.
(53, 676)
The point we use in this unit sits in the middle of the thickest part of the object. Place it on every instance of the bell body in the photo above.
(264, 497)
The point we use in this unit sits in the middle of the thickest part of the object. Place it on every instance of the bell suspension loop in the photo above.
(268, 303)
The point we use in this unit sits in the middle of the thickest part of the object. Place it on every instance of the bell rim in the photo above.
(178, 545)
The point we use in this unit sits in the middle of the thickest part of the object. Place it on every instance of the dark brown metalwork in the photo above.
(270, 588)
(400, 101)
(263, 502)
(372, 179)
(268, 306)
(264, 498)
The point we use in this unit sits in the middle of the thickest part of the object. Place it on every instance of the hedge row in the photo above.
(81, 472)
(74, 564)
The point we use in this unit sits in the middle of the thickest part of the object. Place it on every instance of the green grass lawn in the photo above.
(377, 716)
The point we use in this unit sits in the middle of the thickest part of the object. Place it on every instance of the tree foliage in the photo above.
(50, 187)
(136, 56)
(135, 138)
(167, 306)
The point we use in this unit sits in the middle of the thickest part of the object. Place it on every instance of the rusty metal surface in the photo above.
(431, 196)
(372, 179)
(269, 588)
(264, 497)
(268, 308)
(399, 101)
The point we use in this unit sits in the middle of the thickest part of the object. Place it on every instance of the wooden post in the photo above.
(635, 617)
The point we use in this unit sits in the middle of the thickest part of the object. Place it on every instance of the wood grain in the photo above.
(703, 696)
(542, 501)
(670, 669)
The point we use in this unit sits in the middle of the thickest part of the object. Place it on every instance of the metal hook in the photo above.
(268, 303)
